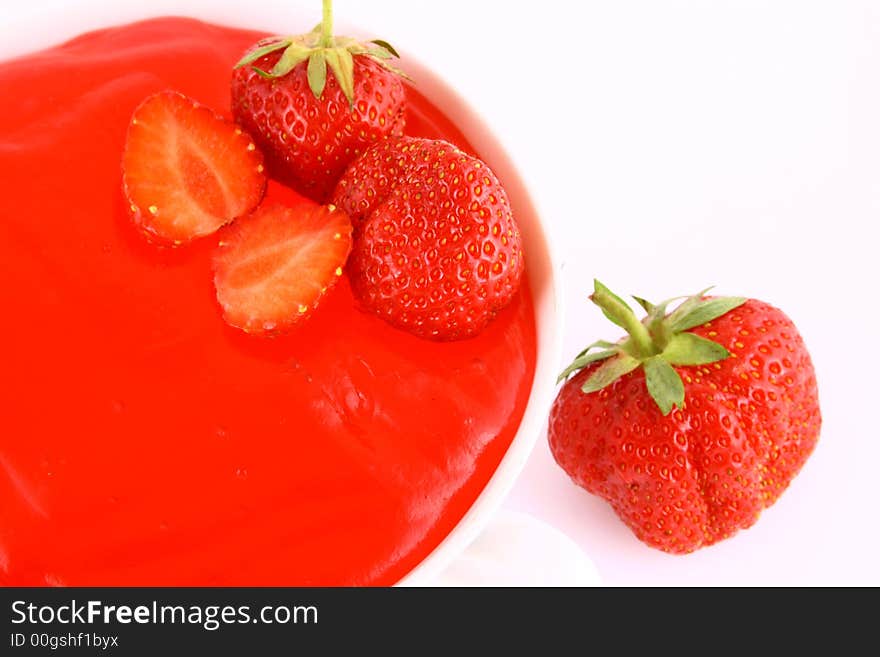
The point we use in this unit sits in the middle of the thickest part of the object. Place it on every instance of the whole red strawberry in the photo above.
(694, 423)
(311, 125)
(437, 250)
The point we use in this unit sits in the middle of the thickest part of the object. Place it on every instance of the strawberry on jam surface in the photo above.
(186, 171)
(144, 441)
(274, 266)
(439, 252)
(316, 101)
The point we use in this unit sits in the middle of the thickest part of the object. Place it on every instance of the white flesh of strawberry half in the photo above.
(273, 267)
(187, 171)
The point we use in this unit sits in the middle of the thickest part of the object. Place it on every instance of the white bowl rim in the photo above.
(27, 31)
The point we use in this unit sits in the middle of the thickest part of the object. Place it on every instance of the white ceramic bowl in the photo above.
(30, 27)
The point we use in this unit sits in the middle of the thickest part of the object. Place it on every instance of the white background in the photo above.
(673, 145)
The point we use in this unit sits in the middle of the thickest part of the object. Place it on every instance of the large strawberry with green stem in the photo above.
(694, 423)
(314, 102)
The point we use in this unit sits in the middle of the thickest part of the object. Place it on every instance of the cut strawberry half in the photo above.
(273, 267)
(187, 171)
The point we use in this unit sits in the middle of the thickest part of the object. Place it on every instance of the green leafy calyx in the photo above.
(320, 49)
(657, 343)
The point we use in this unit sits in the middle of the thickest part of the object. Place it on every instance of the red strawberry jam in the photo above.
(145, 442)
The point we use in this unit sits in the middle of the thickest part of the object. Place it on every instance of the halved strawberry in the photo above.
(273, 267)
(187, 171)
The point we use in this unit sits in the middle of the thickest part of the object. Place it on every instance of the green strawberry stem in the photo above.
(621, 314)
(656, 344)
(319, 49)
(327, 24)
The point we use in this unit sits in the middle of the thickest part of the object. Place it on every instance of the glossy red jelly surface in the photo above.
(143, 441)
